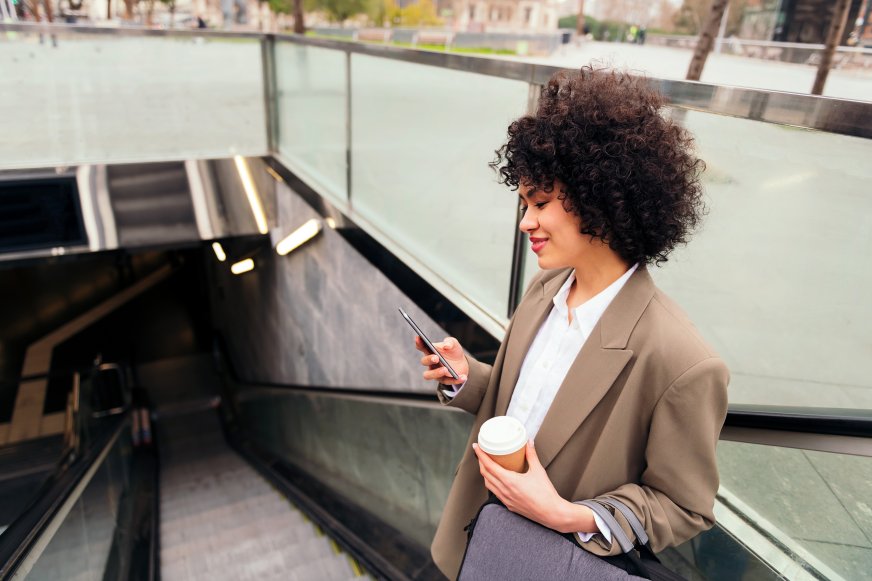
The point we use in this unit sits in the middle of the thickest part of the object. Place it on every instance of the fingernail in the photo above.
(463, 378)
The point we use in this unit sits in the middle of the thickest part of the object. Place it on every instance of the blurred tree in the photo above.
(837, 28)
(690, 18)
(294, 7)
(377, 10)
(420, 13)
(706, 39)
(299, 22)
(579, 19)
(339, 10)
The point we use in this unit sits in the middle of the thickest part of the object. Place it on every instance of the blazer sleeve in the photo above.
(469, 398)
(675, 499)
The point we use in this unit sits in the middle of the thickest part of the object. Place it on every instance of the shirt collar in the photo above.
(586, 315)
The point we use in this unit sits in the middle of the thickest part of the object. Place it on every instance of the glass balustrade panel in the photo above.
(312, 115)
(422, 138)
(80, 547)
(776, 278)
(99, 98)
(814, 504)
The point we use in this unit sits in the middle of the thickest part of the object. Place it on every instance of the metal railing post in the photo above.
(270, 93)
(348, 127)
(516, 279)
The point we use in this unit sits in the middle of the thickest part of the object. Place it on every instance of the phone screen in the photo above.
(428, 343)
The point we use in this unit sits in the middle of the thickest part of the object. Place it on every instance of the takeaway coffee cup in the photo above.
(504, 439)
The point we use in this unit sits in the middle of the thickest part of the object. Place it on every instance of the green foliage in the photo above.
(600, 29)
(281, 6)
(377, 11)
(339, 10)
(569, 21)
(420, 13)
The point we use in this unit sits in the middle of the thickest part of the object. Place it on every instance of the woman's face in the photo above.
(555, 234)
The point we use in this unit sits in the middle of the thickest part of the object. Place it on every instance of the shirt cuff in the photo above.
(450, 391)
(603, 530)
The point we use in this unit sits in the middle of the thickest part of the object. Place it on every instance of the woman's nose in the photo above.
(527, 223)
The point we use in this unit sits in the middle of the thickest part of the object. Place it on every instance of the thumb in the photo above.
(449, 344)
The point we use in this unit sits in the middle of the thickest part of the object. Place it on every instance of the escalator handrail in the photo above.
(24, 532)
(822, 421)
(810, 420)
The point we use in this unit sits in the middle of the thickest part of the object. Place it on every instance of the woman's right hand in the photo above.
(451, 350)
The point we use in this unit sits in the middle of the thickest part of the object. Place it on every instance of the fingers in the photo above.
(489, 464)
(532, 456)
(436, 371)
(439, 373)
(448, 345)
(420, 346)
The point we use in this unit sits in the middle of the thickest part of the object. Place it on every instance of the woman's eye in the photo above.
(522, 208)
(541, 204)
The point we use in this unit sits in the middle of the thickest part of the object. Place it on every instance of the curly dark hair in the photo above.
(626, 170)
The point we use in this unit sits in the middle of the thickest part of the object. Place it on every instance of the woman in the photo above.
(619, 393)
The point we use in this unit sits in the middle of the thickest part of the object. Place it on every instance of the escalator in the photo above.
(181, 506)
(221, 520)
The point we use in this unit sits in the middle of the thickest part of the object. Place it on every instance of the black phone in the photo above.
(428, 343)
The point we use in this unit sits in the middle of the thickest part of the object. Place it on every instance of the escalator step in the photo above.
(221, 520)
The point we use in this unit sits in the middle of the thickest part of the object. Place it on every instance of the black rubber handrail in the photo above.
(19, 538)
(828, 421)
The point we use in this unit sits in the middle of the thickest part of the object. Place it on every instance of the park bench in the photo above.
(375, 34)
(433, 37)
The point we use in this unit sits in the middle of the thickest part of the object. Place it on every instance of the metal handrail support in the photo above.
(27, 536)
(72, 420)
(841, 116)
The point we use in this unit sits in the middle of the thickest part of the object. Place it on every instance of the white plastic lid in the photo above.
(502, 435)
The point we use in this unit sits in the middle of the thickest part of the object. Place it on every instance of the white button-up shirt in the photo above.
(554, 350)
(550, 356)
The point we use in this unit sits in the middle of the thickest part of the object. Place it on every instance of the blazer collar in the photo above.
(622, 314)
(600, 361)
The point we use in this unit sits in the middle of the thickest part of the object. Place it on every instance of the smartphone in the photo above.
(428, 343)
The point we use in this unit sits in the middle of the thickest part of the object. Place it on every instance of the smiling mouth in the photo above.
(536, 244)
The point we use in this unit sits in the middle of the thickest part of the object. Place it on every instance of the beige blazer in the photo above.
(637, 417)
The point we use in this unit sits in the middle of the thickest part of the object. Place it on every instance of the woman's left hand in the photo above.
(530, 494)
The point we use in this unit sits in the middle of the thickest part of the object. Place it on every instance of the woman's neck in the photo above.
(595, 274)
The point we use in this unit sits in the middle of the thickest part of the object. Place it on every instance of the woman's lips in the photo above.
(537, 244)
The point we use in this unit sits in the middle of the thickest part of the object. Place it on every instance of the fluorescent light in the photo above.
(299, 236)
(273, 173)
(219, 251)
(251, 193)
(242, 266)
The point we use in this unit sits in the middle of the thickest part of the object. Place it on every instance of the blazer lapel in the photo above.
(599, 363)
(529, 316)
